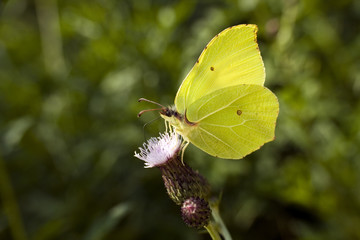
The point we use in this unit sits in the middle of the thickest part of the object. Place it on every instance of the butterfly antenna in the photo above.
(147, 100)
(147, 110)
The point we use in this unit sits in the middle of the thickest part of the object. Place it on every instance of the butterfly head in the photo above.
(170, 112)
(172, 116)
(167, 113)
(175, 119)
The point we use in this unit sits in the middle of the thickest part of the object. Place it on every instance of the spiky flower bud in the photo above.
(182, 182)
(195, 212)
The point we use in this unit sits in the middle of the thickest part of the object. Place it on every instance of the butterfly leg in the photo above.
(185, 144)
(166, 126)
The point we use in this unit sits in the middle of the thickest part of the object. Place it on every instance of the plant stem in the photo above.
(211, 228)
(218, 220)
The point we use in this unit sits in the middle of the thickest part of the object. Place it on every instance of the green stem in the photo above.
(11, 208)
(211, 228)
(218, 220)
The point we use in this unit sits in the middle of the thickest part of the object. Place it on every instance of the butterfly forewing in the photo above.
(231, 58)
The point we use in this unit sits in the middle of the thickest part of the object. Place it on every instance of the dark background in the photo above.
(70, 76)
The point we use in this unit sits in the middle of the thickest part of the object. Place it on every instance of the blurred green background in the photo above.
(70, 76)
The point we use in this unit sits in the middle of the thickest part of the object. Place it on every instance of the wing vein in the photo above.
(219, 140)
(232, 130)
(202, 138)
(221, 108)
(245, 139)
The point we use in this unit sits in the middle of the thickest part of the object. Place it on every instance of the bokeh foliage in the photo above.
(70, 76)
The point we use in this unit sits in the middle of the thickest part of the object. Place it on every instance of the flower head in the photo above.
(158, 151)
(180, 180)
(184, 186)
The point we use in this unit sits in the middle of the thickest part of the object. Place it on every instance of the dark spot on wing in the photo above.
(212, 68)
(239, 112)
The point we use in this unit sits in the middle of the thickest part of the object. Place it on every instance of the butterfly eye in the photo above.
(167, 112)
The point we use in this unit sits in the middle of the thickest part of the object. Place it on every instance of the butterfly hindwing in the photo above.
(234, 121)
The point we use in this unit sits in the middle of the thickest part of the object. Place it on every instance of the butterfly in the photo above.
(222, 106)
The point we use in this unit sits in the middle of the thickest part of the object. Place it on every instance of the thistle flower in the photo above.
(181, 181)
(157, 151)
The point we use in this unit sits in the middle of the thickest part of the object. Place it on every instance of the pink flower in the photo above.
(157, 151)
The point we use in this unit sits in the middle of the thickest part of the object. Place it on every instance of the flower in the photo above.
(157, 151)
(180, 180)
(184, 186)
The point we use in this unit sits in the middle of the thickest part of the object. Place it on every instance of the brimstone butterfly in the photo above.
(222, 106)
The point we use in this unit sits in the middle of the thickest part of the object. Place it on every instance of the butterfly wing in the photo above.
(233, 121)
(231, 58)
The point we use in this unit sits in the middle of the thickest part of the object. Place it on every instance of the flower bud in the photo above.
(182, 182)
(196, 212)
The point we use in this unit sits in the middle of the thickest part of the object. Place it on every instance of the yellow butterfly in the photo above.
(222, 106)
